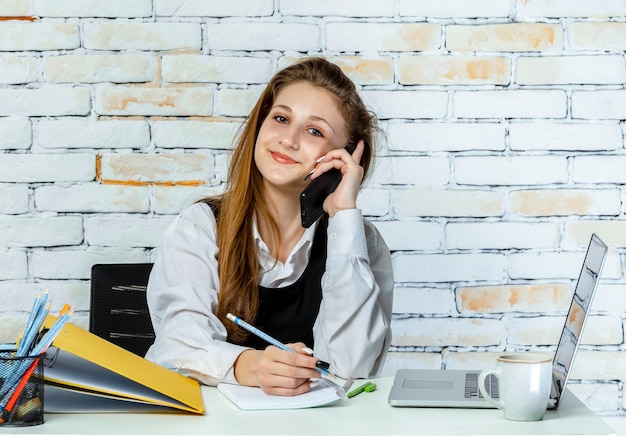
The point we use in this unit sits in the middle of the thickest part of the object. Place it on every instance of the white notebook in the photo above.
(251, 398)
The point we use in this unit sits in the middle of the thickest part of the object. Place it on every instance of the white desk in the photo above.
(367, 413)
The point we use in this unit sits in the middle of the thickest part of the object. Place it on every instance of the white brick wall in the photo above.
(503, 150)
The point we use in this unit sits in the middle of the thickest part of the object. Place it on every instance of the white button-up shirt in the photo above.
(352, 329)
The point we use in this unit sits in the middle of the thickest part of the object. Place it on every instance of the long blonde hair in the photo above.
(243, 199)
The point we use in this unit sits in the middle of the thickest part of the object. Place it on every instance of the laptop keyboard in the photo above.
(471, 385)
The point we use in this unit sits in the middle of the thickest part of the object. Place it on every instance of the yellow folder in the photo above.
(84, 372)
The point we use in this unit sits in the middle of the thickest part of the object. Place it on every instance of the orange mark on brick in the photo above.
(485, 69)
(98, 166)
(19, 18)
(418, 37)
(515, 297)
(138, 183)
(534, 36)
(120, 101)
(478, 300)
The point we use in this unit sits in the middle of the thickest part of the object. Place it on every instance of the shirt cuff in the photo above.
(346, 234)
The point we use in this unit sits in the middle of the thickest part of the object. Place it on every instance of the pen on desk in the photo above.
(322, 367)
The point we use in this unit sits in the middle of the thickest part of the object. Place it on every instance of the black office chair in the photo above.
(119, 310)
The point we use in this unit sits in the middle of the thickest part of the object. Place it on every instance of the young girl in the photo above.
(328, 287)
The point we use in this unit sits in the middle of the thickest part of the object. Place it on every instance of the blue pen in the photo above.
(326, 374)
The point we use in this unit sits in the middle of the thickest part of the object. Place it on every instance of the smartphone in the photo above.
(313, 196)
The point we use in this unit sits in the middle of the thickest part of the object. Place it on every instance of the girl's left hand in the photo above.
(344, 197)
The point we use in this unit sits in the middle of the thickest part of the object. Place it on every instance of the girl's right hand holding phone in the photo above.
(344, 197)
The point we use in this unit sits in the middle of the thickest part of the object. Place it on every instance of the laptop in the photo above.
(459, 388)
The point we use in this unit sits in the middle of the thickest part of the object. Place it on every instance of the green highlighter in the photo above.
(367, 387)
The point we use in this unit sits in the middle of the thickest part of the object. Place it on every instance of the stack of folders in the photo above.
(28, 351)
(85, 373)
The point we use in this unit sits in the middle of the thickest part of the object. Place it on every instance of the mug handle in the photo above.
(481, 386)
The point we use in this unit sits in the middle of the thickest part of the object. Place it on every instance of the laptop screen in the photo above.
(577, 315)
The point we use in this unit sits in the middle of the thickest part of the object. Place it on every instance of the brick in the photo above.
(453, 136)
(20, 296)
(568, 8)
(454, 9)
(141, 36)
(12, 326)
(24, 35)
(14, 199)
(17, 70)
(406, 359)
(93, 8)
(502, 235)
(209, 134)
(15, 133)
(76, 264)
(125, 231)
(13, 265)
(423, 300)
(411, 235)
(119, 68)
(442, 202)
(510, 104)
(171, 101)
(565, 136)
(215, 69)
(40, 231)
(547, 265)
(373, 202)
(577, 233)
(246, 36)
(451, 267)
(599, 365)
(86, 133)
(347, 8)
(454, 70)
(442, 332)
(231, 102)
(14, 8)
(517, 170)
(49, 100)
(610, 298)
(170, 168)
(591, 35)
(406, 104)
(203, 8)
(471, 360)
(173, 199)
(32, 168)
(599, 169)
(410, 37)
(599, 105)
(508, 37)
(546, 330)
(93, 198)
(565, 202)
(420, 170)
(557, 70)
(514, 298)
(364, 70)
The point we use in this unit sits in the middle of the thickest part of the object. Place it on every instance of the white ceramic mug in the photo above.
(524, 381)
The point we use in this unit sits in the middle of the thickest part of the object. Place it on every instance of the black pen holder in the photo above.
(21, 390)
